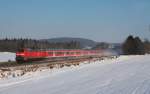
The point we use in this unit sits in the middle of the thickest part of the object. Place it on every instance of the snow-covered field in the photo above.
(7, 56)
(124, 75)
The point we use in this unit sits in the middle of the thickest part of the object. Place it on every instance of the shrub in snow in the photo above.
(51, 66)
(62, 65)
(68, 65)
(1, 75)
(18, 73)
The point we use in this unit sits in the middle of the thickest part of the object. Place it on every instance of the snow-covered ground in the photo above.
(124, 75)
(7, 56)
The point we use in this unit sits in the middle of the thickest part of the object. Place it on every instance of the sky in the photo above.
(99, 20)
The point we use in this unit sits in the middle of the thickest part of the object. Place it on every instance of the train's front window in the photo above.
(20, 50)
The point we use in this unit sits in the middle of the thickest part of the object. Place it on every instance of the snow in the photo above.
(124, 75)
(7, 56)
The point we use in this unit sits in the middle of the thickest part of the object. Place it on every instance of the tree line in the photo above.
(134, 46)
(13, 45)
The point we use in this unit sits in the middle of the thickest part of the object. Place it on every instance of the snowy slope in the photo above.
(6, 56)
(125, 75)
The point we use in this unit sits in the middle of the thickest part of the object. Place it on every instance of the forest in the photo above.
(13, 45)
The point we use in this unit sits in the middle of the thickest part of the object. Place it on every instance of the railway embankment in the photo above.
(18, 70)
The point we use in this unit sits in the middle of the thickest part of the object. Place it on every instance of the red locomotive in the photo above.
(29, 55)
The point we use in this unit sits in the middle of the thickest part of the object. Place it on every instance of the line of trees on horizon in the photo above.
(132, 45)
(13, 45)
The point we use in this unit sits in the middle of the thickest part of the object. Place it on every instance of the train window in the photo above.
(50, 53)
(59, 53)
(67, 53)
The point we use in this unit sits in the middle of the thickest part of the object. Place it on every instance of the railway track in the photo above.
(48, 62)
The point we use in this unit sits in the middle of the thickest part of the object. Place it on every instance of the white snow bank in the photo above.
(7, 56)
(124, 75)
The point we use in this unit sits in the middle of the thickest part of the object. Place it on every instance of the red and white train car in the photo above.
(27, 55)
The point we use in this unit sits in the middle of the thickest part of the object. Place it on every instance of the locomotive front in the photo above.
(20, 56)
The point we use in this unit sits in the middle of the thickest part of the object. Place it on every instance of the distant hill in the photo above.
(82, 41)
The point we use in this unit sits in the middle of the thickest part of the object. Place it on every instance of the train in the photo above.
(26, 55)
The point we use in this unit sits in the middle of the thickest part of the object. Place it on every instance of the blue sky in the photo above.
(100, 20)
